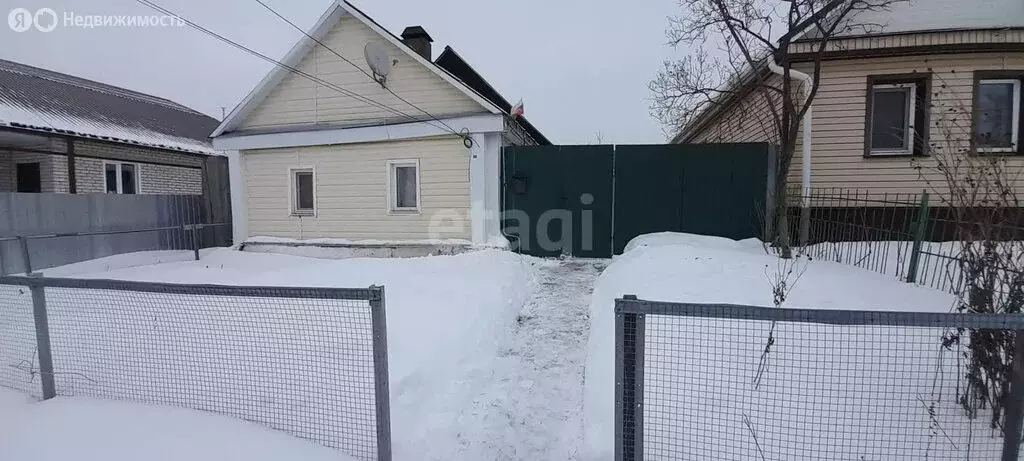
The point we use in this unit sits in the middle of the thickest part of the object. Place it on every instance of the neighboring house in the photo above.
(115, 140)
(885, 98)
(328, 152)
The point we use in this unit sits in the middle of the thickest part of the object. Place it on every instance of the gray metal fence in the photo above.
(39, 231)
(741, 382)
(308, 361)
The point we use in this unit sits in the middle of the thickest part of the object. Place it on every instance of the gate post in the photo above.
(43, 350)
(629, 381)
(919, 236)
(382, 398)
(1014, 408)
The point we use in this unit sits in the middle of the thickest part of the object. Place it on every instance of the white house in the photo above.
(321, 148)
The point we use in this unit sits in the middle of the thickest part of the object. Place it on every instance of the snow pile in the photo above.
(446, 318)
(81, 429)
(818, 398)
(702, 241)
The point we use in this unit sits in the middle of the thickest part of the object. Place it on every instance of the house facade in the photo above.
(324, 147)
(941, 78)
(64, 134)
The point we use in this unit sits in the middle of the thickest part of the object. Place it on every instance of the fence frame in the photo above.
(374, 295)
(630, 314)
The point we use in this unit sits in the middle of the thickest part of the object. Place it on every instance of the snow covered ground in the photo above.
(486, 349)
(830, 392)
(82, 429)
(499, 356)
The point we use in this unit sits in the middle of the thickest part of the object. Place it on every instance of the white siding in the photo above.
(351, 191)
(299, 101)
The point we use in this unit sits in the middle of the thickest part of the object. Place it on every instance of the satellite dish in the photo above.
(378, 60)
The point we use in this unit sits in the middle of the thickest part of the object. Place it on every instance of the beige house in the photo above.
(324, 147)
(941, 76)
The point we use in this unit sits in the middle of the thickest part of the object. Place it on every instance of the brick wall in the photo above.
(181, 175)
(90, 177)
(51, 180)
(165, 179)
(135, 154)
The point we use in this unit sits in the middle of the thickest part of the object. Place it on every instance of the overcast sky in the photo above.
(581, 66)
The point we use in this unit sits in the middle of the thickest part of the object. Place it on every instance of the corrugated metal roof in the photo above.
(42, 100)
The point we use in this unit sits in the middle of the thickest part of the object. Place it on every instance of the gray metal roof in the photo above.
(41, 100)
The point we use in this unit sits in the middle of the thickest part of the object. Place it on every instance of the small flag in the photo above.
(517, 110)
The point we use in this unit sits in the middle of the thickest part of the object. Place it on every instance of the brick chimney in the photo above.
(418, 39)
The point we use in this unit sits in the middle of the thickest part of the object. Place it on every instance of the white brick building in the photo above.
(118, 141)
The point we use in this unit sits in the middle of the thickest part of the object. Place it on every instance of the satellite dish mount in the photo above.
(379, 62)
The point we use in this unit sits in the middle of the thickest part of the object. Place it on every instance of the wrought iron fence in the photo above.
(742, 382)
(911, 236)
(308, 361)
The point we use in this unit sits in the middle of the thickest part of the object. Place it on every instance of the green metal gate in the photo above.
(558, 200)
(604, 196)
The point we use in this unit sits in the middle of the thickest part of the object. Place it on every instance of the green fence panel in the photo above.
(710, 189)
(604, 196)
(558, 200)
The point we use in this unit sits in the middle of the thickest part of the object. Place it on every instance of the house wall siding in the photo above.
(839, 122)
(297, 100)
(750, 120)
(351, 191)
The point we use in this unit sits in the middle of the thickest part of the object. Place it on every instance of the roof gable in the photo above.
(284, 98)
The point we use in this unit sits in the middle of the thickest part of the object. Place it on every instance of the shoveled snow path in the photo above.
(532, 408)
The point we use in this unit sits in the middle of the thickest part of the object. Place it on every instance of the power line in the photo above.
(294, 70)
(296, 27)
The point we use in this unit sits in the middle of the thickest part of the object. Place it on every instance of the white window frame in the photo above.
(911, 119)
(1015, 133)
(392, 184)
(120, 186)
(293, 192)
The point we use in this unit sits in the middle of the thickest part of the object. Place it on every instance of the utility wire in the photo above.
(296, 27)
(294, 70)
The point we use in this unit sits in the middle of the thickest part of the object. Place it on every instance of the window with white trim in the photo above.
(997, 121)
(121, 178)
(404, 185)
(892, 119)
(303, 191)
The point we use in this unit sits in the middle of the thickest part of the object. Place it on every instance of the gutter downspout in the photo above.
(806, 160)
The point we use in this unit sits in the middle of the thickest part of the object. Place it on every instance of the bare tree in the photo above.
(735, 48)
(981, 212)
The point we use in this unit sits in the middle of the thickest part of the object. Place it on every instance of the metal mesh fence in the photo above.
(307, 361)
(742, 382)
